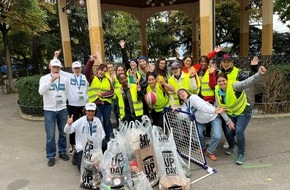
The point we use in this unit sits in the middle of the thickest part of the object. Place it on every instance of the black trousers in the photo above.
(77, 112)
(157, 118)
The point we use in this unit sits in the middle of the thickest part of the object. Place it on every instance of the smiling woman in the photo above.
(232, 96)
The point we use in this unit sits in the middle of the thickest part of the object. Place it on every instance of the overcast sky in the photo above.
(279, 26)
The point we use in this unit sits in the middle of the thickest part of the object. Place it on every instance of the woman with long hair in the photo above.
(161, 89)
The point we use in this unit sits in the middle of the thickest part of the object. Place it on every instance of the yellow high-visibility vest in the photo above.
(233, 75)
(138, 105)
(99, 86)
(197, 84)
(138, 76)
(205, 88)
(177, 84)
(233, 105)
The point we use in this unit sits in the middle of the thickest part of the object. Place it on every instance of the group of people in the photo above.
(217, 97)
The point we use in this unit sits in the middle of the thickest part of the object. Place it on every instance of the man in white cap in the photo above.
(55, 89)
(77, 97)
(86, 126)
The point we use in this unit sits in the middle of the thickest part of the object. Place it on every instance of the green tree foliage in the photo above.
(78, 24)
(160, 36)
(120, 25)
(255, 42)
(19, 16)
(282, 8)
(165, 32)
(228, 23)
(168, 30)
(281, 43)
(43, 45)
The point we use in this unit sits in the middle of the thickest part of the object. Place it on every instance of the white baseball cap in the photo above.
(76, 64)
(55, 62)
(91, 106)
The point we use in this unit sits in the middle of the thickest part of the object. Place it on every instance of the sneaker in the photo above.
(71, 149)
(51, 162)
(226, 145)
(210, 156)
(240, 160)
(64, 157)
(229, 151)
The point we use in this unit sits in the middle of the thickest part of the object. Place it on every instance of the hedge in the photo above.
(30, 101)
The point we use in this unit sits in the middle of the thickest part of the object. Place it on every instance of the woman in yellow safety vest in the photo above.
(129, 100)
(160, 88)
(234, 74)
(101, 93)
(179, 80)
(232, 97)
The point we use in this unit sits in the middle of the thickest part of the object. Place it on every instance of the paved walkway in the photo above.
(23, 165)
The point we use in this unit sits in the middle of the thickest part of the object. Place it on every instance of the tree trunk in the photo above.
(8, 59)
(36, 56)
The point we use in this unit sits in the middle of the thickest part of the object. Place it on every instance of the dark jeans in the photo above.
(116, 111)
(241, 122)
(51, 119)
(77, 112)
(104, 113)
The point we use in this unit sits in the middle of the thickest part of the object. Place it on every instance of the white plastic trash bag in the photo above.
(115, 167)
(140, 182)
(170, 169)
(91, 158)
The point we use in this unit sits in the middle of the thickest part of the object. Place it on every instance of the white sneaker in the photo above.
(71, 149)
(226, 145)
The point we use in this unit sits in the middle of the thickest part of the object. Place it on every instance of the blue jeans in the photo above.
(241, 122)
(216, 134)
(50, 119)
(104, 112)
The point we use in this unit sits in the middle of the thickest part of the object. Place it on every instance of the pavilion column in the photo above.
(143, 38)
(95, 27)
(65, 35)
(195, 40)
(206, 26)
(244, 29)
(267, 30)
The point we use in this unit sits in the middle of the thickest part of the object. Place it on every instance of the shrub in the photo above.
(30, 101)
(276, 90)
